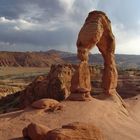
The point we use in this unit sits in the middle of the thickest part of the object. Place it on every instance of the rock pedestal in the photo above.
(80, 83)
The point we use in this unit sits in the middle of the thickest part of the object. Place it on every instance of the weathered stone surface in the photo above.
(34, 91)
(59, 81)
(97, 31)
(47, 104)
(80, 83)
(56, 85)
(35, 131)
(76, 131)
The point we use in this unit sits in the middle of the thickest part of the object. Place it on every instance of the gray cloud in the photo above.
(45, 24)
(55, 26)
(125, 12)
(11, 9)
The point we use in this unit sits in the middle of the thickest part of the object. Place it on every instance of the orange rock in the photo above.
(80, 83)
(97, 31)
(76, 131)
(56, 85)
(35, 131)
(59, 81)
(47, 104)
(81, 79)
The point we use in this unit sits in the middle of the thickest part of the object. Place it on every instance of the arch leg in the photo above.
(110, 74)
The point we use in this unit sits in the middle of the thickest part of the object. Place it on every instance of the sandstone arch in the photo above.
(97, 31)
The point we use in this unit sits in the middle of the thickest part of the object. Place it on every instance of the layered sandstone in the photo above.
(29, 59)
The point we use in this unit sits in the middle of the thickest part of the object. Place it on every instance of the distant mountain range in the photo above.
(46, 59)
(29, 59)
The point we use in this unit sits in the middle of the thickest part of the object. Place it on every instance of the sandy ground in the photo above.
(115, 122)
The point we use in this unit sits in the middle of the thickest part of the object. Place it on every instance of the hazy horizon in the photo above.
(41, 25)
(74, 52)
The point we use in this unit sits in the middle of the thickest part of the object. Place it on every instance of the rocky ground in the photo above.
(114, 121)
(128, 83)
(111, 118)
(14, 79)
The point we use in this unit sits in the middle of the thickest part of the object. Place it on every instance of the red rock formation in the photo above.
(72, 131)
(76, 131)
(80, 83)
(60, 82)
(47, 104)
(35, 131)
(34, 91)
(59, 79)
(29, 59)
(56, 85)
(97, 31)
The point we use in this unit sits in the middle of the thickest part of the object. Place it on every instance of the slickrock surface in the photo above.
(107, 115)
(76, 131)
(35, 131)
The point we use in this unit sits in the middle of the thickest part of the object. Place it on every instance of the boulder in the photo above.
(76, 131)
(35, 131)
(47, 104)
(34, 91)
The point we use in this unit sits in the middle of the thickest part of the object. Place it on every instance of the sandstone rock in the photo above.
(59, 81)
(80, 83)
(48, 104)
(34, 91)
(76, 131)
(81, 79)
(97, 31)
(35, 131)
(56, 85)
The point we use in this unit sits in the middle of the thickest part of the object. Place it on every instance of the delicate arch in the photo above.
(97, 31)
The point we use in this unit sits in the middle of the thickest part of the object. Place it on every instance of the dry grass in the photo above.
(13, 79)
(9, 71)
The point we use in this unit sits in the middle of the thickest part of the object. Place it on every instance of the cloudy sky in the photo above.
(39, 25)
